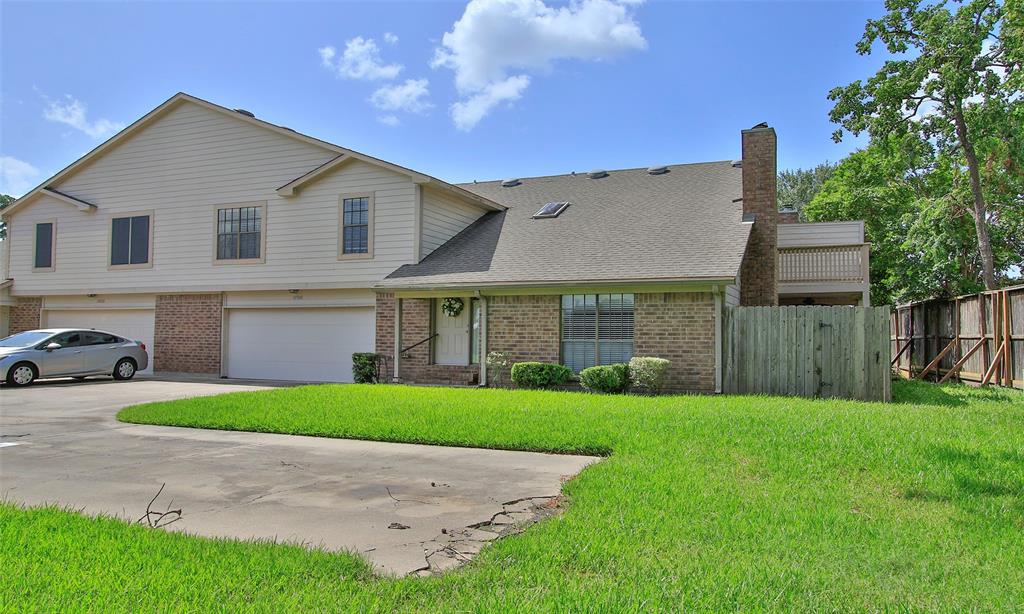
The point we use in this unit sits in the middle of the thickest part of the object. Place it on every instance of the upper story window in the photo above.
(597, 329)
(131, 239)
(45, 245)
(356, 230)
(240, 233)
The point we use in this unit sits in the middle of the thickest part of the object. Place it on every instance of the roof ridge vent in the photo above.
(510, 183)
(597, 173)
(657, 170)
(245, 113)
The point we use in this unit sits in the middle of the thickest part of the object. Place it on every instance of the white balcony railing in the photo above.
(838, 263)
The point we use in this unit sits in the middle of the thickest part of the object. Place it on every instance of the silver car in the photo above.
(68, 352)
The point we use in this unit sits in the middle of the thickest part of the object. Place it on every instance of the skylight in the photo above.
(551, 210)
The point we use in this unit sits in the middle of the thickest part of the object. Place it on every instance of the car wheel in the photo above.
(124, 369)
(22, 374)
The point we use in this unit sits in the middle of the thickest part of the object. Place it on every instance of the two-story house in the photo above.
(235, 247)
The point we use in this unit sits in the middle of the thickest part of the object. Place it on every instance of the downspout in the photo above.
(398, 340)
(483, 339)
(718, 339)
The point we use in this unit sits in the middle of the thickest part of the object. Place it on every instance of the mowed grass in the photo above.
(704, 503)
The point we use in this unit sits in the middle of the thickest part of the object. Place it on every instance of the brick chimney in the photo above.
(758, 281)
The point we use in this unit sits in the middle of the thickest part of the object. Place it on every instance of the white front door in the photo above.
(451, 346)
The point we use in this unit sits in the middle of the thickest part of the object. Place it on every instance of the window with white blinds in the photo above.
(597, 329)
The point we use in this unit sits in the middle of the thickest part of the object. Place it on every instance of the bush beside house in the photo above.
(647, 373)
(365, 367)
(608, 379)
(539, 374)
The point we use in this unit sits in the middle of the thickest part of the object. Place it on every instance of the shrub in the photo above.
(497, 367)
(606, 378)
(647, 373)
(364, 367)
(539, 374)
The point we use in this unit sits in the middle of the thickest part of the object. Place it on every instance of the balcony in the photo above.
(824, 264)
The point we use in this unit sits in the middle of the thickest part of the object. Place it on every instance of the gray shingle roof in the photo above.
(682, 225)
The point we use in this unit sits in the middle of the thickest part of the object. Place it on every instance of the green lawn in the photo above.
(704, 503)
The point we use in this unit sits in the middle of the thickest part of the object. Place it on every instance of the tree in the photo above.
(797, 188)
(955, 84)
(916, 207)
(4, 201)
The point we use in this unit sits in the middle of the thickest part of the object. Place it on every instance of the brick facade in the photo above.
(676, 326)
(759, 283)
(528, 328)
(25, 314)
(680, 327)
(187, 333)
(525, 327)
(417, 364)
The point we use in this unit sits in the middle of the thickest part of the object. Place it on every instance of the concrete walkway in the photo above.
(337, 494)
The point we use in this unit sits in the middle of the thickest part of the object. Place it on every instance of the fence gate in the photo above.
(807, 351)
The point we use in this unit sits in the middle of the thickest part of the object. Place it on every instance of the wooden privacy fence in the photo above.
(807, 351)
(975, 338)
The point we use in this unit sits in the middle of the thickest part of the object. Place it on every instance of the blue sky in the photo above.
(538, 88)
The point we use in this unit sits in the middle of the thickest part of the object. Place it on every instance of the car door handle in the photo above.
(77, 352)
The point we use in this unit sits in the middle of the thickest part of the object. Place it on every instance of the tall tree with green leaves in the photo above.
(797, 188)
(954, 83)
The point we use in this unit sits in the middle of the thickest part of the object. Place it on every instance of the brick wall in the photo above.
(759, 285)
(679, 327)
(416, 365)
(789, 217)
(187, 333)
(526, 327)
(25, 313)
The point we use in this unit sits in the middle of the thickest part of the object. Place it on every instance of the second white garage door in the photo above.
(308, 345)
(135, 324)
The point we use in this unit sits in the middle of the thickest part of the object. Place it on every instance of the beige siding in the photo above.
(821, 233)
(181, 168)
(443, 217)
(732, 295)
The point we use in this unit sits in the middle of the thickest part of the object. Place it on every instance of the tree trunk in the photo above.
(980, 209)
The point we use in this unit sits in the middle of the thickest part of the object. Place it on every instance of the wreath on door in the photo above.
(452, 307)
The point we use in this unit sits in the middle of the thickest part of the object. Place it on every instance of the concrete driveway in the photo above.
(407, 508)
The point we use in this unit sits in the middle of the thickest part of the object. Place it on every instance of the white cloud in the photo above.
(468, 113)
(360, 60)
(411, 97)
(327, 56)
(17, 176)
(388, 120)
(390, 38)
(72, 112)
(496, 38)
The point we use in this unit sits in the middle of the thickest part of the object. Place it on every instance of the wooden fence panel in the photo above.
(993, 319)
(808, 351)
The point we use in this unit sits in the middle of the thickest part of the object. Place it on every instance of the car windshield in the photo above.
(25, 339)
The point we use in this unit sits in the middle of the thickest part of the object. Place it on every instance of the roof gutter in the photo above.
(675, 281)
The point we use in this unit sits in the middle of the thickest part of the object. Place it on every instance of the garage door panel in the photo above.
(298, 344)
(135, 324)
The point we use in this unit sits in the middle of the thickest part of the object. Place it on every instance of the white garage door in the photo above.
(135, 324)
(309, 345)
